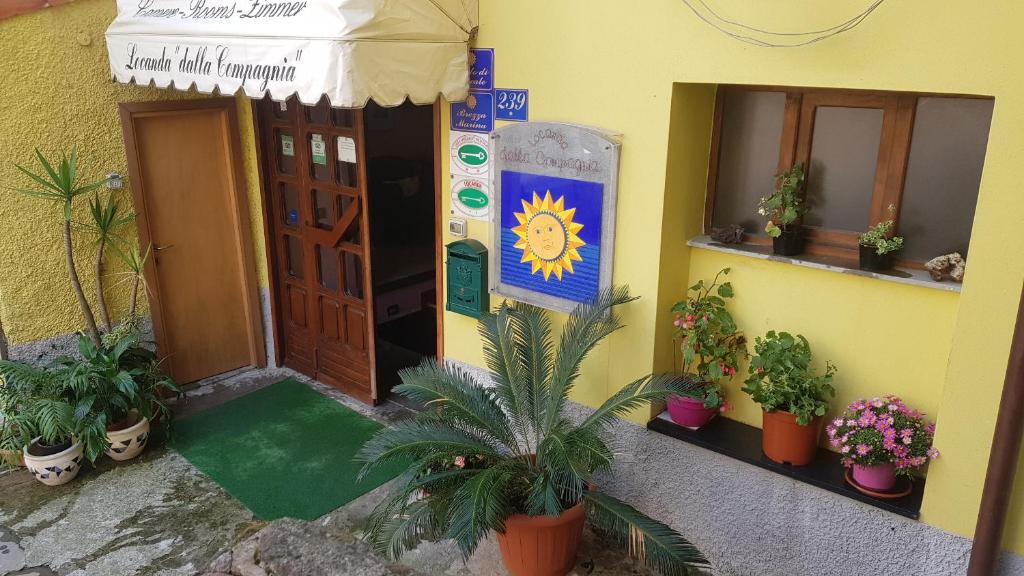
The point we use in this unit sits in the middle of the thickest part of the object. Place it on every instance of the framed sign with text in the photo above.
(553, 220)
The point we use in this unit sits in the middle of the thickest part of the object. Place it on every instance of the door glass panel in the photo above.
(319, 168)
(344, 117)
(353, 275)
(844, 159)
(319, 114)
(293, 248)
(351, 234)
(280, 109)
(346, 160)
(285, 145)
(324, 209)
(327, 262)
(289, 205)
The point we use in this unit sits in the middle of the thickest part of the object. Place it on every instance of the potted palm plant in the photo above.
(711, 346)
(508, 459)
(792, 395)
(124, 380)
(783, 208)
(57, 431)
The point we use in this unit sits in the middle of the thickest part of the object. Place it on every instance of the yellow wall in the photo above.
(58, 93)
(648, 74)
(638, 71)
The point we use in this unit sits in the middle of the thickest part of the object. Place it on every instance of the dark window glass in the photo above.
(841, 175)
(947, 154)
(748, 156)
(353, 275)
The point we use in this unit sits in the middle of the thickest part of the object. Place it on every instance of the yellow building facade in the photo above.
(648, 73)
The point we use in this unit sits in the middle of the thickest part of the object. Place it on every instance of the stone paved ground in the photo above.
(160, 516)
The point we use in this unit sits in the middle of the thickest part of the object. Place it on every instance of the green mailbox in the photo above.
(467, 278)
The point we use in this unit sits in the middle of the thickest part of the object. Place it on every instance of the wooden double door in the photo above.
(316, 186)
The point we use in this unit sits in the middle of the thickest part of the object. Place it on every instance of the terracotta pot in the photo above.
(689, 412)
(786, 442)
(128, 443)
(542, 545)
(878, 477)
(54, 469)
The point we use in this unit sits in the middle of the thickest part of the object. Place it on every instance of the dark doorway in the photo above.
(402, 199)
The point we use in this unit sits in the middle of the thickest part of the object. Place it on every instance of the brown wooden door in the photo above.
(190, 200)
(314, 161)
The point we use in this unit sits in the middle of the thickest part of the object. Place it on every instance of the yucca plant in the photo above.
(60, 183)
(105, 219)
(481, 453)
(135, 262)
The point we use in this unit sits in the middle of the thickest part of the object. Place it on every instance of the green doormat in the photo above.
(284, 450)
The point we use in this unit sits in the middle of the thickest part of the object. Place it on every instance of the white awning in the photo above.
(350, 50)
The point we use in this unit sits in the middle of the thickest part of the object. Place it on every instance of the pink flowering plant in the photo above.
(881, 431)
(711, 344)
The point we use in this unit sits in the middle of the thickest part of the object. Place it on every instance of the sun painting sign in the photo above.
(555, 201)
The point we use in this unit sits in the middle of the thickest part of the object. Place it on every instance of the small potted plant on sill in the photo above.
(506, 457)
(784, 208)
(880, 439)
(793, 396)
(877, 246)
(711, 346)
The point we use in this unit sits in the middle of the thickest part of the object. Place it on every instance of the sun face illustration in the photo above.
(548, 236)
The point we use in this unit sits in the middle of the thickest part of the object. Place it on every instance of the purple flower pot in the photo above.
(689, 412)
(877, 477)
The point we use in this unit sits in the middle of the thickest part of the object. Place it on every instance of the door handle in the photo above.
(159, 248)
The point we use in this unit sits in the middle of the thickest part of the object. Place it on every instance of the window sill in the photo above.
(743, 442)
(912, 277)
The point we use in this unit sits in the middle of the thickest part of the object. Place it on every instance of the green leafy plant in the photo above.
(481, 454)
(711, 344)
(878, 237)
(781, 377)
(785, 205)
(59, 183)
(48, 409)
(80, 397)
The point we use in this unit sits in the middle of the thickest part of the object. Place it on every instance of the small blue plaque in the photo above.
(476, 114)
(293, 217)
(512, 104)
(481, 69)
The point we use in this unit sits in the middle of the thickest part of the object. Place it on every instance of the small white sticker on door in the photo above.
(287, 145)
(346, 149)
(319, 149)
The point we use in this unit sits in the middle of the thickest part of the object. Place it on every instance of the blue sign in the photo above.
(512, 104)
(476, 114)
(481, 69)
(551, 234)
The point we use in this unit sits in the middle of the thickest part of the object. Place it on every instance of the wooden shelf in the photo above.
(743, 442)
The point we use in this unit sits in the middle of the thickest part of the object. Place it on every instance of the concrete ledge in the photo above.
(910, 276)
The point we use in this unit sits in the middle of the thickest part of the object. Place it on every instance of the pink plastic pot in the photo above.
(689, 412)
(877, 477)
